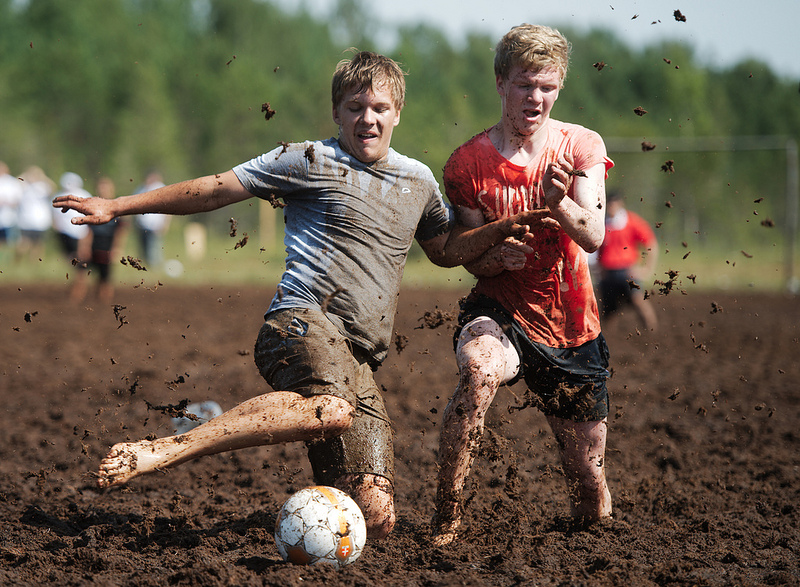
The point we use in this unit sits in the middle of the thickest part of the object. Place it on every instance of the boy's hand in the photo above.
(523, 224)
(94, 210)
(558, 180)
(513, 254)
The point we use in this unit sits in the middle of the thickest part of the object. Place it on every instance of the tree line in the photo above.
(115, 87)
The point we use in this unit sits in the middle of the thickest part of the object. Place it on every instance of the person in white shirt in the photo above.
(34, 216)
(152, 227)
(73, 238)
(10, 196)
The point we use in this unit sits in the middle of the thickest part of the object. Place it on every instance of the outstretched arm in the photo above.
(467, 242)
(187, 197)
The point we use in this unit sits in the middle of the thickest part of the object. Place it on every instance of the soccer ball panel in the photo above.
(320, 541)
(314, 513)
(297, 555)
(292, 528)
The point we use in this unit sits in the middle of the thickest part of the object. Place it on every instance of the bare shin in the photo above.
(583, 447)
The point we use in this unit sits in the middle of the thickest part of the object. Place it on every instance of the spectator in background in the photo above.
(10, 196)
(105, 242)
(35, 216)
(72, 238)
(152, 227)
(626, 258)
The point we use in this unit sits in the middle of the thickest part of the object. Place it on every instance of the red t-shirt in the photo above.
(625, 237)
(552, 297)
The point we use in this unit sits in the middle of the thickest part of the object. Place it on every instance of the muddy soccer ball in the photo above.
(320, 525)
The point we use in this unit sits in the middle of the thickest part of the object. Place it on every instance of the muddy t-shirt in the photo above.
(348, 229)
(552, 297)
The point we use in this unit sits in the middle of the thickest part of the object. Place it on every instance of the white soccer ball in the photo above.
(320, 525)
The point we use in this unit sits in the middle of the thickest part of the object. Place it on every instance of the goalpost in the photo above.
(788, 145)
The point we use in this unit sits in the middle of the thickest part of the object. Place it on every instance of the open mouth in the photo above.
(366, 136)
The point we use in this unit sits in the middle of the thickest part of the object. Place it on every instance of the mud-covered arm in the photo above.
(188, 197)
(582, 216)
(465, 243)
(509, 255)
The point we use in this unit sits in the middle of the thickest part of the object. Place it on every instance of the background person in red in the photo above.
(627, 257)
(532, 313)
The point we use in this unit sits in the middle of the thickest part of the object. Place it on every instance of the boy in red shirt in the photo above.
(628, 255)
(533, 313)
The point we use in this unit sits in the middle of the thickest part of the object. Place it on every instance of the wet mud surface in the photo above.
(703, 460)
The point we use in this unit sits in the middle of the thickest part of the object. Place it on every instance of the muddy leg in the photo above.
(646, 312)
(583, 446)
(271, 418)
(484, 363)
(375, 496)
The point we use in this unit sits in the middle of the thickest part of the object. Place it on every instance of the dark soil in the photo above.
(703, 460)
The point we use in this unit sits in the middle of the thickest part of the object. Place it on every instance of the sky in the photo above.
(721, 32)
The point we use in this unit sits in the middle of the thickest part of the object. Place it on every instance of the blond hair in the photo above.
(533, 47)
(368, 71)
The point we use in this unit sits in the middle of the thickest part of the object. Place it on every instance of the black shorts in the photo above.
(568, 383)
(300, 350)
(69, 245)
(616, 291)
(101, 263)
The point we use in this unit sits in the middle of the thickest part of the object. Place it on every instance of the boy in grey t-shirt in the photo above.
(352, 208)
(348, 229)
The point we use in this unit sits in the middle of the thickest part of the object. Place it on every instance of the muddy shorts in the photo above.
(300, 350)
(567, 383)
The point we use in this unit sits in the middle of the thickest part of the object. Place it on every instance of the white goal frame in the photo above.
(741, 143)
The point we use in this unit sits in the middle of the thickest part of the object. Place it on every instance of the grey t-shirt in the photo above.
(348, 229)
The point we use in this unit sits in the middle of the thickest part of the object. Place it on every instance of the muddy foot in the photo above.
(445, 522)
(126, 461)
(444, 538)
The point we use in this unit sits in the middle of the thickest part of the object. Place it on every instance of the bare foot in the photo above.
(444, 538)
(446, 521)
(128, 460)
(586, 520)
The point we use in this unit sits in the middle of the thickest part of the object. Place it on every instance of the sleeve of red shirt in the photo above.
(590, 150)
(459, 183)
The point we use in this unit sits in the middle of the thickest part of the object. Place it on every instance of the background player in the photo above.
(626, 258)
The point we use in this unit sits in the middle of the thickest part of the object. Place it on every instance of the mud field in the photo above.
(702, 462)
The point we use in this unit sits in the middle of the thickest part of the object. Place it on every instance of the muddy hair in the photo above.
(532, 47)
(368, 71)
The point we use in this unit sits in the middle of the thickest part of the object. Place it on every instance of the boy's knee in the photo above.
(485, 372)
(482, 362)
(335, 414)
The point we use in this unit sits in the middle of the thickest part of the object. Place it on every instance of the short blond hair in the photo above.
(368, 71)
(533, 47)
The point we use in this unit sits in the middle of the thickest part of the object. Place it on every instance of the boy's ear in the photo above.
(499, 84)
